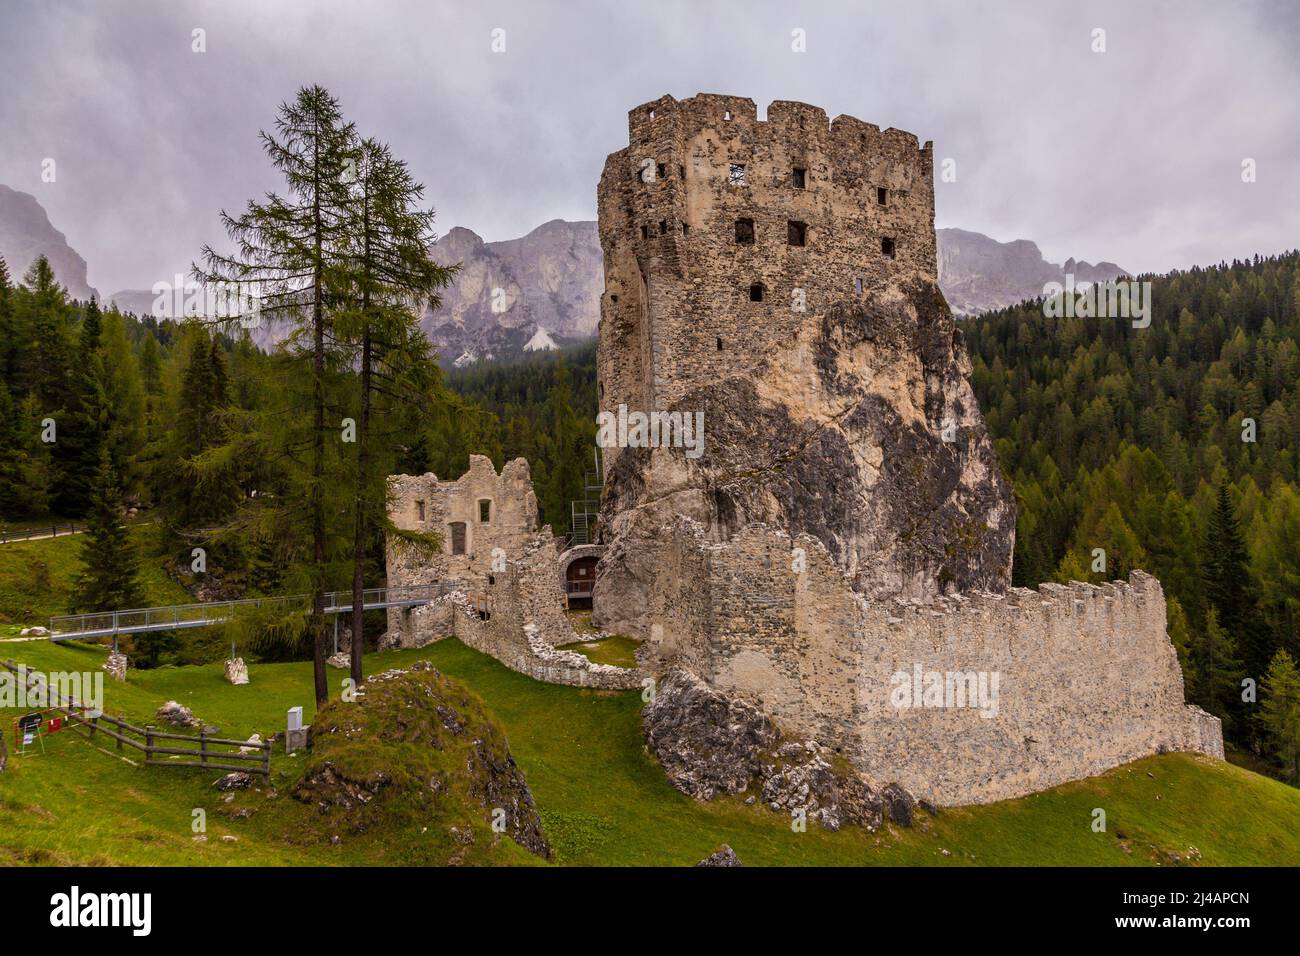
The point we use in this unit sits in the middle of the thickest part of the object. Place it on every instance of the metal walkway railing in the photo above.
(137, 620)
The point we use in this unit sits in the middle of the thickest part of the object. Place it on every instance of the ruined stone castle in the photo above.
(779, 276)
(847, 521)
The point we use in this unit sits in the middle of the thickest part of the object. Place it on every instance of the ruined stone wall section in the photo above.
(525, 622)
(512, 518)
(512, 521)
(1088, 678)
(676, 310)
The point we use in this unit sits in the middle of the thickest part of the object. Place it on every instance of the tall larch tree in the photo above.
(388, 277)
(287, 250)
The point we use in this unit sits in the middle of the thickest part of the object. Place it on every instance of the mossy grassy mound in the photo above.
(415, 767)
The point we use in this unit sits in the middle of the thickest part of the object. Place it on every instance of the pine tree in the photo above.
(42, 321)
(195, 500)
(1227, 582)
(110, 565)
(9, 454)
(388, 271)
(9, 339)
(32, 468)
(1280, 713)
(1218, 671)
(121, 418)
(566, 451)
(81, 427)
(287, 249)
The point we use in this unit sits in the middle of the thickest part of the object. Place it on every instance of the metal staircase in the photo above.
(583, 513)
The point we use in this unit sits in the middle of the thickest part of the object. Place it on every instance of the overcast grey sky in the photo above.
(1132, 155)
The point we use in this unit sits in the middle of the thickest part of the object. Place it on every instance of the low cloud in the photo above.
(1132, 155)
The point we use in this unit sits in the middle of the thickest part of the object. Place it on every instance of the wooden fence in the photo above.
(50, 531)
(204, 751)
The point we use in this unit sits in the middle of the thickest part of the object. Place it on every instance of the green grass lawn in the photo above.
(615, 649)
(602, 799)
(36, 577)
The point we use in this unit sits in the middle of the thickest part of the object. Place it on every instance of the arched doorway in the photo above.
(579, 578)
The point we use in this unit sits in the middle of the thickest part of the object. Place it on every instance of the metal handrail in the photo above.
(176, 616)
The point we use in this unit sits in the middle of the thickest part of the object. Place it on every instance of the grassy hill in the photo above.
(36, 577)
(602, 800)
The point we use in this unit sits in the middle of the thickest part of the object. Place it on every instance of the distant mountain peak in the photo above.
(537, 292)
(26, 233)
(978, 273)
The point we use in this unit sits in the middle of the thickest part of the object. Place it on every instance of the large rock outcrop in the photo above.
(533, 293)
(872, 443)
(711, 744)
(978, 273)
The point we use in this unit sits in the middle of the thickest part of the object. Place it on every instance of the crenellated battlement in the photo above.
(726, 237)
(1085, 675)
(737, 117)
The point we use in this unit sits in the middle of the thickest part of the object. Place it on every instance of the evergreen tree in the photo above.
(565, 453)
(42, 323)
(31, 467)
(1275, 544)
(121, 416)
(388, 269)
(287, 249)
(1227, 582)
(110, 564)
(9, 453)
(81, 425)
(9, 338)
(195, 501)
(1218, 671)
(1280, 713)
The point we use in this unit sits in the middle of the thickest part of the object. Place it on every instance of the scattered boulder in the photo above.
(237, 671)
(341, 660)
(253, 745)
(115, 666)
(707, 743)
(238, 780)
(899, 804)
(722, 856)
(178, 715)
(36, 631)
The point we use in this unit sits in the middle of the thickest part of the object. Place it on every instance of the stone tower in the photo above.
(779, 276)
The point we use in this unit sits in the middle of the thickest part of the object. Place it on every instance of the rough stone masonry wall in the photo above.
(512, 518)
(852, 418)
(524, 595)
(676, 281)
(512, 521)
(525, 621)
(1088, 678)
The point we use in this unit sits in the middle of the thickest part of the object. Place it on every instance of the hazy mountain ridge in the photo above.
(534, 292)
(542, 290)
(976, 273)
(26, 233)
(979, 274)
